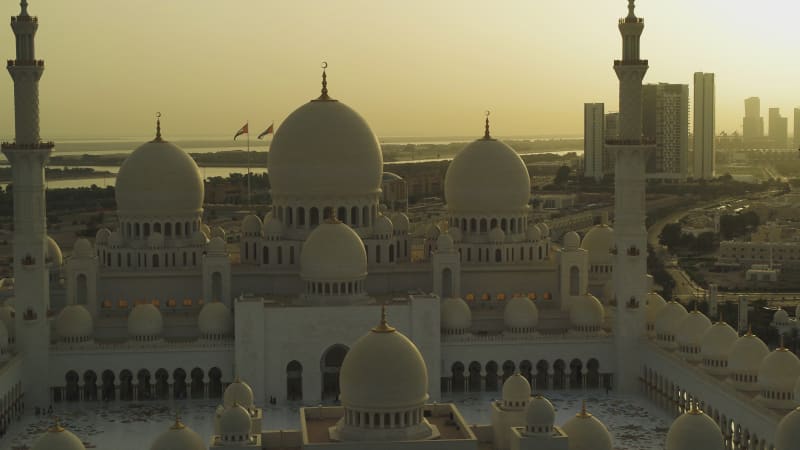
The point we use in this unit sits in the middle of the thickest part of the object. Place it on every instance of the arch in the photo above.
(508, 369)
(542, 368)
(473, 225)
(447, 283)
(168, 229)
(301, 216)
(126, 385)
(294, 381)
(81, 289)
(483, 226)
(559, 370)
(198, 386)
(157, 227)
(498, 255)
(314, 217)
(391, 253)
(593, 373)
(265, 255)
(162, 384)
(216, 286)
(289, 216)
(341, 214)
(214, 382)
(574, 281)
(354, 216)
(90, 385)
(493, 224)
(474, 376)
(365, 216)
(575, 374)
(147, 230)
(457, 381)
(491, 376)
(109, 392)
(155, 260)
(143, 377)
(526, 370)
(330, 366)
(179, 384)
(72, 392)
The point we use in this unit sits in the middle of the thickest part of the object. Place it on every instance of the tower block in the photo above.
(28, 156)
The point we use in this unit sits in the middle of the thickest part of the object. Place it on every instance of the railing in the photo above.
(639, 62)
(631, 20)
(33, 19)
(38, 145)
(25, 63)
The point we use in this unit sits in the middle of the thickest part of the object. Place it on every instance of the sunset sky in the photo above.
(411, 67)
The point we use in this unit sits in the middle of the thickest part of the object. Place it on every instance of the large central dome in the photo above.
(325, 148)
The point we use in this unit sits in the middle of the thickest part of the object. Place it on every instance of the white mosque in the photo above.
(158, 309)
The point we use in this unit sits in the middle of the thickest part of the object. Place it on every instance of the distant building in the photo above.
(753, 123)
(394, 192)
(704, 121)
(593, 140)
(665, 118)
(796, 129)
(778, 128)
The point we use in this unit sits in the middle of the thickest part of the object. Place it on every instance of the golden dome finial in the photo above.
(178, 425)
(694, 409)
(158, 128)
(780, 345)
(324, 95)
(486, 134)
(749, 330)
(383, 326)
(583, 413)
(56, 428)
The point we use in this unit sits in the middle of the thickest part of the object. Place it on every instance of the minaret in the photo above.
(28, 156)
(630, 234)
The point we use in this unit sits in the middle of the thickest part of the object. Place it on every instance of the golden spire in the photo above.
(178, 425)
(583, 414)
(486, 134)
(694, 409)
(749, 330)
(780, 346)
(383, 326)
(56, 428)
(324, 95)
(158, 128)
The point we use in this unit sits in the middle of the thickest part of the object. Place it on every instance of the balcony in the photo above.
(33, 19)
(631, 20)
(24, 63)
(639, 62)
(38, 145)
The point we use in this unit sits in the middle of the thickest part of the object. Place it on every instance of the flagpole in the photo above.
(248, 165)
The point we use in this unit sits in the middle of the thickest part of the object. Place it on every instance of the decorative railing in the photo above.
(38, 145)
(25, 63)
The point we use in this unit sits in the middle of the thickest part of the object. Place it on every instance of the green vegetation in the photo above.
(735, 225)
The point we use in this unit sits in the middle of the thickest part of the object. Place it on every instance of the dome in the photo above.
(456, 314)
(215, 319)
(747, 354)
(444, 243)
(74, 322)
(692, 329)
(520, 314)
(155, 240)
(487, 176)
(235, 421)
(383, 371)
(82, 249)
(102, 236)
(516, 391)
(599, 241)
(145, 321)
(540, 413)
(238, 393)
(586, 311)
(333, 252)
(718, 341)
(216, 246)
(779, 371)
(178, 437)
(7, 317)
(585, 432)
(497, 235)
(251, 225)
(694, 430)
(53, 253)
(273, 227)
(533, 233)
(325, 148)
(159, 179)
(654, 304)
(383, 226)
(401, 222)
(571, 240)
(788, 433)
(670, 319)
(57, 438)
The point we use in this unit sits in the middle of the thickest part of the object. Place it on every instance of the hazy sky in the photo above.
(411, 67)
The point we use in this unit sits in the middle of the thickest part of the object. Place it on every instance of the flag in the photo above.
(241, 131)
(270, 130)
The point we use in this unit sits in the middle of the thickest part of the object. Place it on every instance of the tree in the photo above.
(671, 235)
(705, 242)
(562, 175)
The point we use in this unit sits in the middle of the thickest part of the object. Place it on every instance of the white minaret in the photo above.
(28, 156)
(630, 234)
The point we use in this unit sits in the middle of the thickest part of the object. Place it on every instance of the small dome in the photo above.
(155, 240)
(53, 253)
(251, 225)
(654, 304)
(74, 322)
(540, 413)
(571, 240)
(333, 252)
(383, 226)
(586, 311)
(102, 236)
(520, 314)
(533, 233)
(82, 249)
(496, 235)
(178, 437)
(456, 234)
(779, 371)
(216, 247)
(159, 179)
(432, 232)
(544, 230)
(145, 321)
(718, 341)
(516, 391)
(220, 232)
(58, 438)
(238, 393)
(456, 315)
(599, 241)
(585, 432)
(444, 243)
(747, 354)
(273, 227)
(383, 371)
(692, 329)
(788, 433)
(215, 319)
(670, 318)
(401, 222)
(694, 430)
(781, 317)
(487, 176)
(7, 317)
(235, 421)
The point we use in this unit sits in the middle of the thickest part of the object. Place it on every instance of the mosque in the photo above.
(324, 304)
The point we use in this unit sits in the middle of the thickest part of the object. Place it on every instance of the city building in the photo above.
(796, 129)
(159, 310)
(753, 123)
(778, 128)
(665, 120)
(593, 140)
(704, 128)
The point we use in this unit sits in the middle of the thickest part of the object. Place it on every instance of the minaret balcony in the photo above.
(638, 62)
(25, 63)
(631, 20)
(36, 146)
(25, 18)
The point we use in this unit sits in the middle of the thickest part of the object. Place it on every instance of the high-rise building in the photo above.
(704, 123)
(796, 129)
(753, 123)
(778, 128)
(594, 140)
(665, 119)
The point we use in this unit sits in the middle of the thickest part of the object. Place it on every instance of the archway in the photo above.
(526, 369)
(575, 374)
(593, 373)
(81, 290)
(109, 392)
(72, 392)
(179, 384)
(574, 281)
(447, 283)
(143, 378)
(216, 287)
(90, 385)
(330, 365)
(126, 385)
(214, 383)
(491, 376)
(162, 384)
(474, 376)
(197, 387)
(559, 369)
(457, 380)
(542, 368)
(294, 381)
(508, 370)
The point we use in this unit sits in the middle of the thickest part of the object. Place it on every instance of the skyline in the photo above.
(513, 59)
